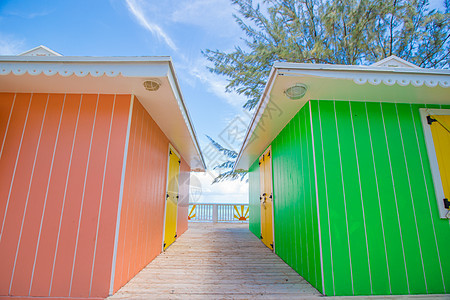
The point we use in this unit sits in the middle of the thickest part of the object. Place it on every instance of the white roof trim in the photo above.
(79, 66)
(87, 59)
(184, 111)
(374, 75)
(371, 74)
(134, 68)
(353, 68)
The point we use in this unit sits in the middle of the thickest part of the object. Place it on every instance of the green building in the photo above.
(349, 173)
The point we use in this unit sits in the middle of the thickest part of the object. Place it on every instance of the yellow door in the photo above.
(266, 198)
(170, 223)
(440, 130)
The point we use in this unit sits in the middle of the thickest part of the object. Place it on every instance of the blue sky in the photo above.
(178, 28)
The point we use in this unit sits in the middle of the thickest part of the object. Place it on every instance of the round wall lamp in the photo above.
(152, 84)
(296, 91)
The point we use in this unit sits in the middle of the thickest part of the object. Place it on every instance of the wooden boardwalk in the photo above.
(217, 261)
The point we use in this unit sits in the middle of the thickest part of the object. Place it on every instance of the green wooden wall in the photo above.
(380, 228)
(380, 231)
(295, 211)
(253, 199)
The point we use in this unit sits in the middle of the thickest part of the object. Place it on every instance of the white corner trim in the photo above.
(317, 196)
(119, 207)
(436, 175)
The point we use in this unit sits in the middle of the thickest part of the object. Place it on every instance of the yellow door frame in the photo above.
(263, 193)
(169, 151)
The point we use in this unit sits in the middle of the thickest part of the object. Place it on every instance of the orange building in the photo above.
(95, 157)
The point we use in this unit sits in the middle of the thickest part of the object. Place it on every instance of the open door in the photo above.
(266, 198)
(170, 220)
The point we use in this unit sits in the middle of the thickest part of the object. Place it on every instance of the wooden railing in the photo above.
(211, 212)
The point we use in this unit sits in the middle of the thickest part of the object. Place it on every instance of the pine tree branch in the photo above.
(227, 152)
(231, 175)
(391, 28)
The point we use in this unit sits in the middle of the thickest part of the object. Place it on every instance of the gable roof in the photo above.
(379, 82)
(111, 75)
(40, 51)
(394, 62)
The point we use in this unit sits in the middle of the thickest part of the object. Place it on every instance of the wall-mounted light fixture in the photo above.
(296, 91)
(152, 84)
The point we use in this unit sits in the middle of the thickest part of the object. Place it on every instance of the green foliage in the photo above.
(331, 32)
(334, 32)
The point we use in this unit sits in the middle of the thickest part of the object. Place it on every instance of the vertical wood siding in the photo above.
(380, 231)
(60, 163)
(183, 203)
(295, 211)
(253, 199)
(380, 227)
(142, 213)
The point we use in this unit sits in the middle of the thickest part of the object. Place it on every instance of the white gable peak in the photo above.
(394, 62)
(40, 51)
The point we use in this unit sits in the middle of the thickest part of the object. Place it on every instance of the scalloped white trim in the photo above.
(403, 80)
(361, 77)
(95, 70)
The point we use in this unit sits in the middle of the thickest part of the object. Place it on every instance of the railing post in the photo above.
(215, 213)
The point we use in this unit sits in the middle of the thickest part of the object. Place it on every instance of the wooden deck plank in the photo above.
(224, 261)
(212, 261)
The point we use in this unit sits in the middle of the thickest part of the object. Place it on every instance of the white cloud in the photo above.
(10, 45)
(213, 16)
(215, 84)
(437, 4)
(137, 10)
(235, 191)
(31, 15)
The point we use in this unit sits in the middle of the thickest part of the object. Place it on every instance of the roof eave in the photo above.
(104, 67)
(86, 59)
(258, 112)
(188, 118)
(353, 69)
(300, 69)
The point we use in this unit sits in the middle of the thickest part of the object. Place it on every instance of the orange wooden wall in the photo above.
(142, 213)
(60, 170)
(61, 166)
